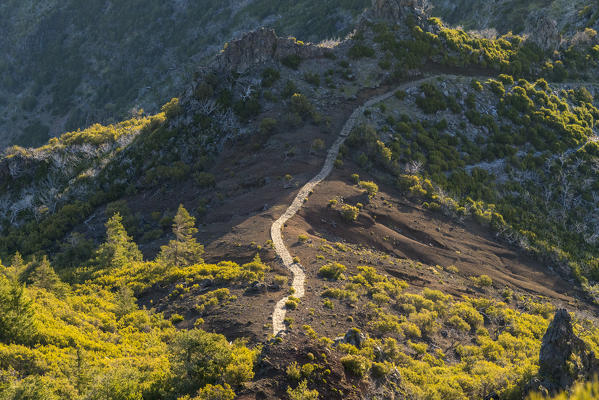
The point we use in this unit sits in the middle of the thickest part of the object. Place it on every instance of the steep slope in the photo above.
(518, 16)
(67, 65)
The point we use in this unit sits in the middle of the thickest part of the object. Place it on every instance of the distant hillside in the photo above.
(515, 15)
(68, 64)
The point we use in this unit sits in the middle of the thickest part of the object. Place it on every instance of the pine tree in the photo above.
(125, 301)
(44, 276)
(119, 248)
(17, 267)
(16, 312)
(184, 250)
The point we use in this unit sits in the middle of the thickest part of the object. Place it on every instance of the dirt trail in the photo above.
(278, 315)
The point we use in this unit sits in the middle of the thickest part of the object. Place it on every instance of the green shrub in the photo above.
(349, 212)
(506, 79)
(268, 126)
(482, 280)
(172, 108)
(292, 61)
(332, 271)
(301, 392)
(360, 51)
(204, 179)
(269, 77)
(379, 370)
(476, 85)
(294, 371)
(355, 365)
(371, 187)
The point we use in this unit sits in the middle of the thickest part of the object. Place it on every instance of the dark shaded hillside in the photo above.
(70, 64)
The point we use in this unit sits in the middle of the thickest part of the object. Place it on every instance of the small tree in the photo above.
(16, 312)
(184, 250)
(119, 248)
(44, 276)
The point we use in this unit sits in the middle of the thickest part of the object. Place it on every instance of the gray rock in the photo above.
(262, 46)
(353, 337)
(559, 344)
(543, 31)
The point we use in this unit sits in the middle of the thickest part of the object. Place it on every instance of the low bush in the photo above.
(332, 271)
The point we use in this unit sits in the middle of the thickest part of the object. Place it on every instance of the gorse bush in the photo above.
(501, 343)
(332, 271)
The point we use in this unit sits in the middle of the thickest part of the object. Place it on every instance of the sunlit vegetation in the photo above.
(544, 151)
(490, 347)
(92, 340)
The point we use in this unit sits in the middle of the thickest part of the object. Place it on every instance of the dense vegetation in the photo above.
(442, 347)
(536, 159)
(93, 341)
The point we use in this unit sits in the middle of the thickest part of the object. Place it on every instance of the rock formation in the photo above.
(564, 357)
(262, 46)
(543, 31)
(353, 336)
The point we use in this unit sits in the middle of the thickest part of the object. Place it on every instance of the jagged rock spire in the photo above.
(559, 344)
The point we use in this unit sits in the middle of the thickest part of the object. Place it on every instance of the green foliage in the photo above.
(268, 126)
(94, 342)
(332, 271)
(292, 61)
(200, 358)
(482, 280)
(172, 109)
(349, 213)
(17, 319)
(359, 50)
(370, 187)
(269, 77)
(355, 365)
(119, 248)
(301, 392)
(432, 101)
(184, 250)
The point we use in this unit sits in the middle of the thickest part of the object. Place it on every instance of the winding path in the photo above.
(299, 278)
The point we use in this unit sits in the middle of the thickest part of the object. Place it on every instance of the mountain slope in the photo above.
(456, 217)
(68, 65)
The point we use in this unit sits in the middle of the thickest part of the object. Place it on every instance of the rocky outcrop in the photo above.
(397, 10)
(353, 336)
(564, 357)
(262, 46)
(543, 31)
